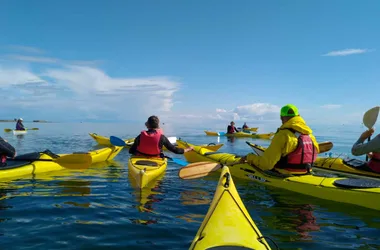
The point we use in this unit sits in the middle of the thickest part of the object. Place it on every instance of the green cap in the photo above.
(289, 110)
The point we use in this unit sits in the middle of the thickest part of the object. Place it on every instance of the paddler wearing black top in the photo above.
(150, 142)
(6, 150)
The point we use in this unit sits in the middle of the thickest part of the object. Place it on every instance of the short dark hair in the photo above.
(153, 122)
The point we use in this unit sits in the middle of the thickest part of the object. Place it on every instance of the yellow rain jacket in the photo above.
(283, 143)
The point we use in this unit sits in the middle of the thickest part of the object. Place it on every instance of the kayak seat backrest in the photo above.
(29, 157)
(357, 183)
(229, 248)
(147, 163)
(14, 164)
(358, 164)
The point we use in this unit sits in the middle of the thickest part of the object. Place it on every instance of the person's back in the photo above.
(150, 142)
(293, 148)
(245, 126)
(372, 148)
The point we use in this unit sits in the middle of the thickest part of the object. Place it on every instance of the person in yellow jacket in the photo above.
(293, 148)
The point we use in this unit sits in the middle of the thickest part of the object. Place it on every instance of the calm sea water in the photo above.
(100, 208)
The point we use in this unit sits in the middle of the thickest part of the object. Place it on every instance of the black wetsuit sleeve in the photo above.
(236, 129)
(6, 148)
(164, 141)
(228, 129)
(133, 149)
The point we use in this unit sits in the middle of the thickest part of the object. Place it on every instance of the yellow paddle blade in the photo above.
(75, 161)
(198, 169)
(33, 128)
(370, 117)
(325, 146)
(7, 130)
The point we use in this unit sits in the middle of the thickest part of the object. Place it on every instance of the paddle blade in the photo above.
(180, 162)
(325, 146)
(7, 130)
(116, 141)
(370, 117)
(198, 169)
(33, 128)
(75, 161)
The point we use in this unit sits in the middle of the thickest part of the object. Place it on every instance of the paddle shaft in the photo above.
(10, 159)
(366, 156)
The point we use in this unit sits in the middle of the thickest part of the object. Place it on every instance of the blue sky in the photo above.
(189, 61)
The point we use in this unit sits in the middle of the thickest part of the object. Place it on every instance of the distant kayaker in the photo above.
(371, 148)
(19, 125)
(293, 149)
(245, 126)
(151, 141)
(231, 128)
(6, 150)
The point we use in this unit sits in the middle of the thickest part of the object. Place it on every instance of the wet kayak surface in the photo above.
(101, 207)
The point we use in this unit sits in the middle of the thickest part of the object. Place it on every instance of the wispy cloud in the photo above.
(35, 59)
(347, 52)
(27, 49)
(331, 106)
(52, 60)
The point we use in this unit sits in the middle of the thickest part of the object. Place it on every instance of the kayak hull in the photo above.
(145, 169)
(19, 132)
(316, 186)
(227, 222)
(37, 167)
(216, 147)
(241, 135)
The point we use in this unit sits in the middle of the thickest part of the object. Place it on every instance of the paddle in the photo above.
(200, 169)
(9, 130)
(73, 161)
(323, 146)
(116, 141)
(369, 120)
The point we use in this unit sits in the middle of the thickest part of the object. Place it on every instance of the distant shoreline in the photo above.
(37, 121)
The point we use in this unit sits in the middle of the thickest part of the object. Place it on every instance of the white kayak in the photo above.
(19, 132)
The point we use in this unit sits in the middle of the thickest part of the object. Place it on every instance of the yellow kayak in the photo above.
(251, 129)
(351, 166)
(15, 169)
(358, 191)
(227, 222)
(240, 134)
(215, 147)
(102, 140)
(145, 169)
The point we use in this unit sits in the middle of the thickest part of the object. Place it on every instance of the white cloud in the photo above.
(347, 52)
(221, 111)
(331, 106)
(87, 92)
(36, 59)
(15, 76)
(26, 49)
(256, 109)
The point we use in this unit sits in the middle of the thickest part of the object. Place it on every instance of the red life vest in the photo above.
(302, 158)
(374, 162)
(3, 160)
(231, 129)
(149, 143)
